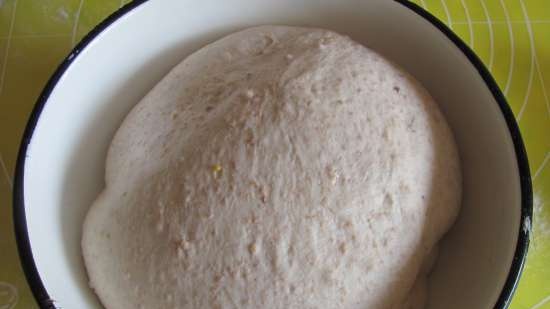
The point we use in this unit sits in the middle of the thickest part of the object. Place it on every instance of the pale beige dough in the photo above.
(276, 168)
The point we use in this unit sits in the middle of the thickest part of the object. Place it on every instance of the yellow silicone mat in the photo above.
(511, 36)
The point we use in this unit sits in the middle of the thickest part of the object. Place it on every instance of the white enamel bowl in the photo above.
(61, 162)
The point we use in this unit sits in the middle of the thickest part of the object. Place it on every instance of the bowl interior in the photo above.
(65, 159)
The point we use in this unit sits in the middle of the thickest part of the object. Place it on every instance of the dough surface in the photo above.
(277, 168)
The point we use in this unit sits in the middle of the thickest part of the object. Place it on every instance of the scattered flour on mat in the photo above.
(541, 227)
(62, 13)
(541, 220)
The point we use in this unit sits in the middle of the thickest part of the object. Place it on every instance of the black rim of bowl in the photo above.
(23, 244)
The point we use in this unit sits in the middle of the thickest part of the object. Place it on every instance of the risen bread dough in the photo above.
(277, 168)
